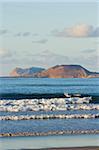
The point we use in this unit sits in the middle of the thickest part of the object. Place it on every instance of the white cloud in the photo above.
(89, 51)
(4, 52)
(79, 30)
(42, 41)
(47, 59)
(24, 34)
(3, 31)
(6, 55)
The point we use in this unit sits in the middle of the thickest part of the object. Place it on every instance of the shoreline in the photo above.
(50, 133)
(69, 148)
(62, 142)
(44, 116)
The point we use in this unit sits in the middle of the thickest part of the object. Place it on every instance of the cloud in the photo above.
(42, 41)
(35, 34)
(3, 31)
(96, 32)
(5, 53)
(24, 34)
(88, 51)
(79, 30)
(90, 62)
(47, 59)
(18, 34)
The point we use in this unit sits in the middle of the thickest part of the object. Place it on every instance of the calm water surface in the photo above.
(16, 143)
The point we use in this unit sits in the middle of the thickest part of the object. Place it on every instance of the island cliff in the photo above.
(58, 71)
(27, 72)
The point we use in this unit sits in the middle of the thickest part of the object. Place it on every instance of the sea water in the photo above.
(15, 88)
(19, 97)
(17, 143)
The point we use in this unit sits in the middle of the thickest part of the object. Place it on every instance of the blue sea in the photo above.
(25, 97)
(18, 88)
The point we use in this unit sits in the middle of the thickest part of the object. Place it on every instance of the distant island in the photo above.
(58, 71)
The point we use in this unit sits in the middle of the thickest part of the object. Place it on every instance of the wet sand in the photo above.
(69, 148)
(62, 142)
(77, 148)
(65, 132)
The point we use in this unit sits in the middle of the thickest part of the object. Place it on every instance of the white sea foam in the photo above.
(47, 104)
(44, 116)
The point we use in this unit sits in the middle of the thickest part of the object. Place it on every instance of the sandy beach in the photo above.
(69, 148)
(77, 148)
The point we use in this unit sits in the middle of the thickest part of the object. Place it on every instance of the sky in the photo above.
(46, 33)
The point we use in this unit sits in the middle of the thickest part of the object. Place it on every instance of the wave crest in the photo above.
(47, 104)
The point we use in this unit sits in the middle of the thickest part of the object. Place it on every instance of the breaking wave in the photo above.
(21, 96)
(52, 104)
(43, 116)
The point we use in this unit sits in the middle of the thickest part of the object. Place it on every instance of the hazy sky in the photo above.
(48, 33)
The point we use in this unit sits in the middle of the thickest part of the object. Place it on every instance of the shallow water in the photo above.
(52, 125)
(13, 143)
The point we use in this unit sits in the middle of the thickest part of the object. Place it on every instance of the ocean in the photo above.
(22, 88)
(38, 107)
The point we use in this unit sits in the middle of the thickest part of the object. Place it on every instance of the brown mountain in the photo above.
(61, 71)
(27, 72)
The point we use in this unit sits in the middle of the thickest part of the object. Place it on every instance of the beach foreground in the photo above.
(68, 148)
(61, 142)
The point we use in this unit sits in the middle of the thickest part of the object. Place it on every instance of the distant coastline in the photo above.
(58, 71)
